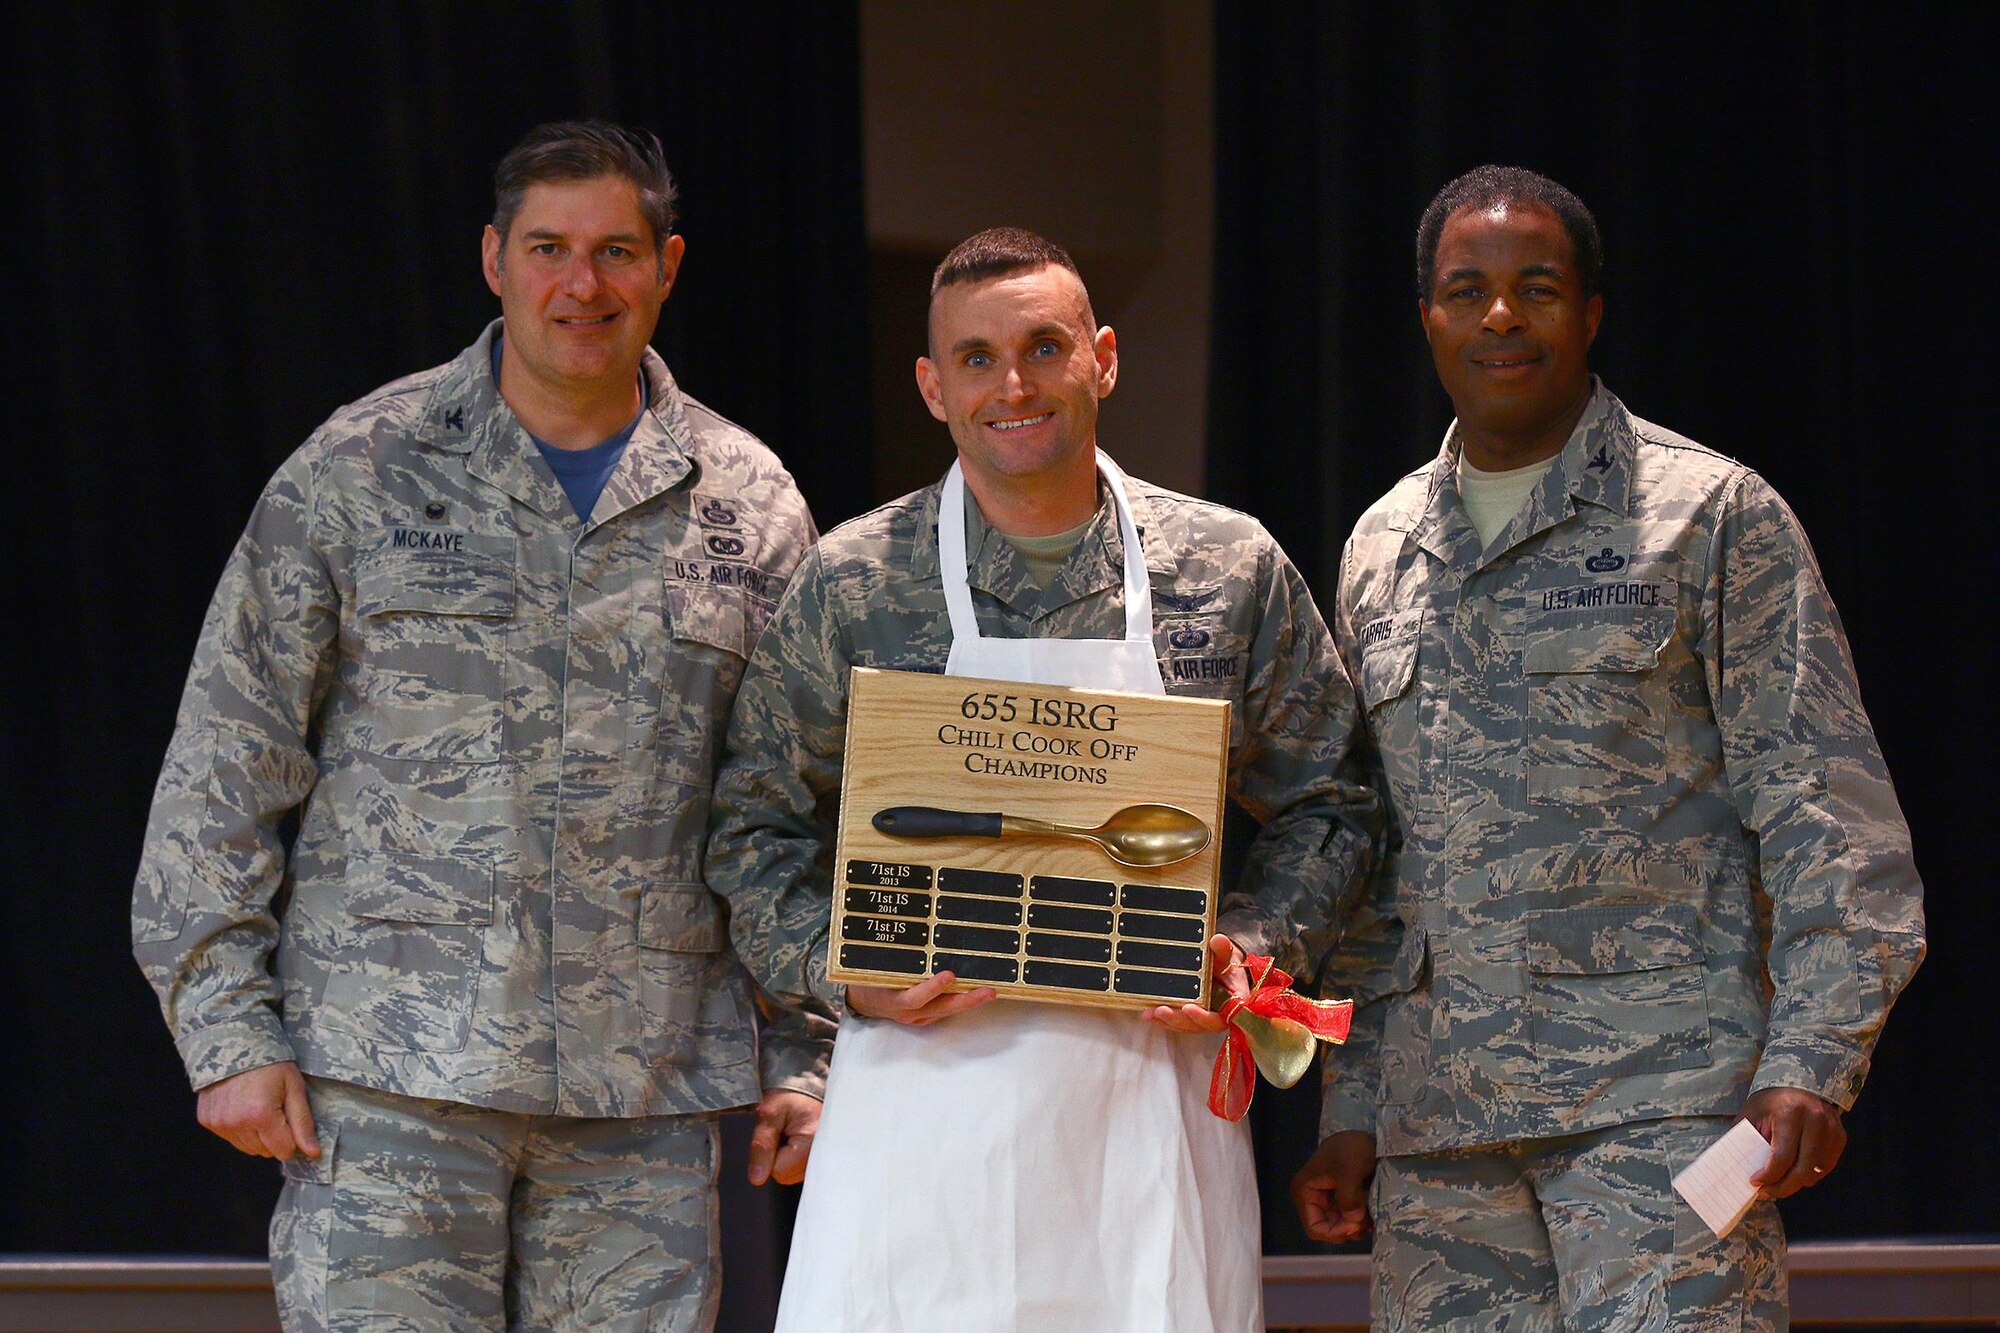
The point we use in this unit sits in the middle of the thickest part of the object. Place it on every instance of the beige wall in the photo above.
(1086, 121)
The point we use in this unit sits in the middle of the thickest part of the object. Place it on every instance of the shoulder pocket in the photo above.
(464, 574)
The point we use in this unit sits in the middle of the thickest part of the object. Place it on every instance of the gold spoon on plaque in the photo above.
(1138, 835)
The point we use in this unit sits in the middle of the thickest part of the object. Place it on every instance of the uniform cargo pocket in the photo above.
(433, 627)
(407, 974)
(1618, 989)
(1406, 1032)
(681, 934)
(1596, 716)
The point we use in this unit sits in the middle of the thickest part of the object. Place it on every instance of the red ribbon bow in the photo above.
(1235, 1079)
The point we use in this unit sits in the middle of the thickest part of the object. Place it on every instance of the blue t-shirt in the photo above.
(582, 472)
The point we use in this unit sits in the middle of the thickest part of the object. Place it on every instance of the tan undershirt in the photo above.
(1493, 498)
(1045, 555)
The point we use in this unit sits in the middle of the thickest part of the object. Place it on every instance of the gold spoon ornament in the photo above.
(1138, 835)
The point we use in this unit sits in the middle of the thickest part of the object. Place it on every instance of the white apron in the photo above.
(1027, 1168)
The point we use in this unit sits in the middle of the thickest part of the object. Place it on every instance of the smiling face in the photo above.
(1510, 331)
(580, 284)
(1015, 372)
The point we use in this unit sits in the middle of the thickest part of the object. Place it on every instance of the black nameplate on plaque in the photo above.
(1179, 985)
(974, 967)
(1081, 892)
(871, 930)
(1185, 928)
(889, 875)
(888, 902)
(1085, 920)
(1073, 976)
(985, 939)
(1138, 953)
(1080, 948)
(991, 911)
(1160, 898)
(988, 883)
(874, 958)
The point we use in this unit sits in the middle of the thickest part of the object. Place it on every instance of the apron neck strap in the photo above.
(953, 567)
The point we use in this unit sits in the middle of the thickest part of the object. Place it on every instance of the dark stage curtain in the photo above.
(1797, 205)
(235, 218)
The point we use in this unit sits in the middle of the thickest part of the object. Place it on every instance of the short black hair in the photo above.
(1483, 187)
(997, 252)
(581, 150)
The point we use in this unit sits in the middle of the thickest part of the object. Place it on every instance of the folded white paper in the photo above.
(1717, 1183)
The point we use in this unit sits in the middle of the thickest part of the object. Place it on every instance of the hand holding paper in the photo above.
(1717, 1183)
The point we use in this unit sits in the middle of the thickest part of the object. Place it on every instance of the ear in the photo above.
(1105, 347)
(1424, 317)
(489, 258)
(670, 263)
(931, 388)
(1593, 315)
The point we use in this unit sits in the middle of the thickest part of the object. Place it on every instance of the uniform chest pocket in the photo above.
(1597, 708)
(1389, 694)
(432, 613)
(1617, 989)
(710, 634)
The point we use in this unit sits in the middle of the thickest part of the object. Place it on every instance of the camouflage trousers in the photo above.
(1583, 1234)
(428, 1215)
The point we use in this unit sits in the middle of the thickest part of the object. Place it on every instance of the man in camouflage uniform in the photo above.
(1233, 620)
(1652, 873)
(479, 640)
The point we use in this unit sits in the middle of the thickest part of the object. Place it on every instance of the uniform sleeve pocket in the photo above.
(680, 918)
(463, 574)
(1616, 990)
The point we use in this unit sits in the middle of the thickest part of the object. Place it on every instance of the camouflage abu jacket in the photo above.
(1232, 619)
(497, 728)
(1650, 857)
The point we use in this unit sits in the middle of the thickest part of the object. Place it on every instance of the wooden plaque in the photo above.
(1036, 918)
